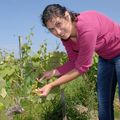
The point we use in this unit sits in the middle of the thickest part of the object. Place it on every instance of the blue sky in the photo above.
(18, 16)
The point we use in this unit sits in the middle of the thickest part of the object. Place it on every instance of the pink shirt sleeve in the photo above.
(86, 42)
(72, 56)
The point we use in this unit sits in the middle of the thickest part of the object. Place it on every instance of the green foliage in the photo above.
(17, 81)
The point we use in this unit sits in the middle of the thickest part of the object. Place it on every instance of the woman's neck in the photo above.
(73, 39)
(73, 36)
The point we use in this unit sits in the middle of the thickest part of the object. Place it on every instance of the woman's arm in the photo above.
(62, 80)
(65, 78)
(72, 56)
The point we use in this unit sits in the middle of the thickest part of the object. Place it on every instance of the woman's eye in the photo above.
(58, 24)
(51, 29)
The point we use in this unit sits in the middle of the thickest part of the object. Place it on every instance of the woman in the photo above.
(82, 35)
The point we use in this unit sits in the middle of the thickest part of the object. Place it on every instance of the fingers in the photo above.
(40, 79)
(44, 91)
(46, 75)
(40, 92)
(36, 91)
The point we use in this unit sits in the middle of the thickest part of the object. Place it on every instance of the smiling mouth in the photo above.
(62, 35)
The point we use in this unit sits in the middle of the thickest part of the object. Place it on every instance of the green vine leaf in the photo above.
(3, 93)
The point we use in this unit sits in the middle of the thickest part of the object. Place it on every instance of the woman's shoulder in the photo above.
(87, 21)
(88, 13)
(88, 18)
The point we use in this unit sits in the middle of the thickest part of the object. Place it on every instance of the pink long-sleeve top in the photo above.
(95, 33)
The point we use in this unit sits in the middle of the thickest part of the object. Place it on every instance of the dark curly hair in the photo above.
(54, 10)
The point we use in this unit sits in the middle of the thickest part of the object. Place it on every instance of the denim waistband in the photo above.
(111, 60)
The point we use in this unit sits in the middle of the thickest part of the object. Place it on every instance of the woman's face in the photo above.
(60, 27)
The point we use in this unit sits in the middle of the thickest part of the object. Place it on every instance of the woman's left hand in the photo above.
(44, 91)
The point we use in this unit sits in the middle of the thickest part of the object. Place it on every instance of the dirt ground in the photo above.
(94, 113)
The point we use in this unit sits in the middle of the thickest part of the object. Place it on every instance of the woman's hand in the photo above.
(48, 75)
(61, 80)
(44, 91)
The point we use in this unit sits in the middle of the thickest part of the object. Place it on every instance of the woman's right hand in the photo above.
(47, 75)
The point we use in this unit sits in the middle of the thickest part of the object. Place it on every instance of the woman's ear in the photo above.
(67, 16)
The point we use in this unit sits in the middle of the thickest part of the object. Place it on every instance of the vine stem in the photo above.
(63, 102)
(20, 55)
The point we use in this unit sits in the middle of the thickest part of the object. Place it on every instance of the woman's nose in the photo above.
(58, 31)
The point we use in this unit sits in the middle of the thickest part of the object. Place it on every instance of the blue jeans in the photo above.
(108, 77)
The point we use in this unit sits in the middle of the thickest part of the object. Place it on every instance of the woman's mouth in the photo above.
(62, 35)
